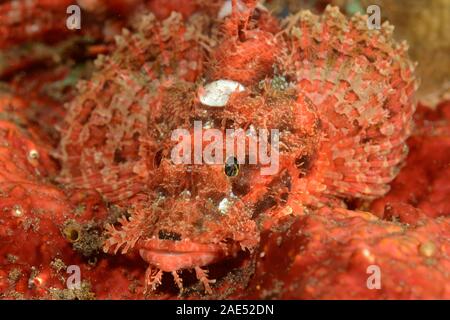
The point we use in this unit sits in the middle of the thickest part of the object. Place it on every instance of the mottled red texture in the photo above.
(342, 135)
(34, 212)
(325, 255)
(340, 95)
(35, 20)
(31, 211)
(424, 181)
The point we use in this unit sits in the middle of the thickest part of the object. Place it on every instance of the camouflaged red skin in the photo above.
(324, 257)
(423, 182)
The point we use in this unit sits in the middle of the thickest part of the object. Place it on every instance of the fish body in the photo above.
(339, 95)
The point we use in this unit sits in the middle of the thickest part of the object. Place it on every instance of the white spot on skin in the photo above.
(17, 211)
(33, 154)
(427, 249)
(217, 93)
(368, 255)
(224, 205)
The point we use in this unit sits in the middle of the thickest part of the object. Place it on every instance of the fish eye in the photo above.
(231, 167)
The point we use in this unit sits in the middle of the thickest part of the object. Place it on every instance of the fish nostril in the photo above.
(168, 235)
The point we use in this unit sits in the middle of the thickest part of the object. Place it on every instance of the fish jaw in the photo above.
(168, 255)
(172, 256)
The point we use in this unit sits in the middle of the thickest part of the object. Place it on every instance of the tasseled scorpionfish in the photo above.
(339, 94)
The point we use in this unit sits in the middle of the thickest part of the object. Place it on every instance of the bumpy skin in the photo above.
(130, 157)
(344, 111)
(102, 121)
(361, 83)
(423, 182)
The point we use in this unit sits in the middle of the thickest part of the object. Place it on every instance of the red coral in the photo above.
(327, 255)
(34, 212)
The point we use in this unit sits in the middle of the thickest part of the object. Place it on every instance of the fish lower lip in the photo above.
(170, 261)
(173, 253)
(170, 247)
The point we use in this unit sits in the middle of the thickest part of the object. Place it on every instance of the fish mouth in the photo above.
(180, 246)
(168, 255)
